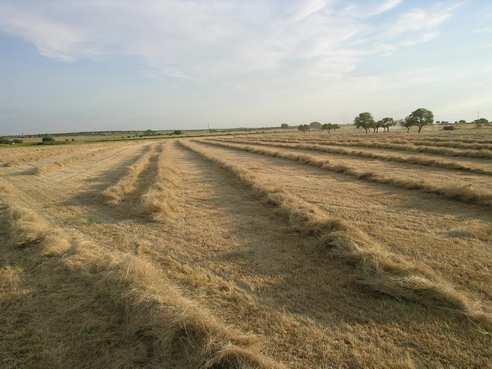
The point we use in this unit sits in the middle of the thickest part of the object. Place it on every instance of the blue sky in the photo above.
(69, 65)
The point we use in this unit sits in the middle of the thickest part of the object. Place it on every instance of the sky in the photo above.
(87, 65)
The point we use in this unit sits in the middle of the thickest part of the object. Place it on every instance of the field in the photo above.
(271, 250)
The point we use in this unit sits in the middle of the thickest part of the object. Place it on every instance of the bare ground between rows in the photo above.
(452, 238)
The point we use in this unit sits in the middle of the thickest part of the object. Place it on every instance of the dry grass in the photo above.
(458, 193)
(429, 162)
(127, 183)
(159, 325)
(378, 269)
(159, 202)
(478, 154)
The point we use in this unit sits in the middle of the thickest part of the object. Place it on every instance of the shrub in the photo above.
(449, 128)
(48, 140)
(5, 141)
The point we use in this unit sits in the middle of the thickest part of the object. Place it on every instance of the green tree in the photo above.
(386, 123)
(329, 126)
(48, 140)
(406, 124)
(420, 118)
(284, 126)
(481, 121)
(365, 121)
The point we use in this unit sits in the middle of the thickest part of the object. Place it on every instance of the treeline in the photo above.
(419, 118)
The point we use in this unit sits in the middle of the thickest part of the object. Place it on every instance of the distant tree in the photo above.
(406, 124)
(420, 118)
(386, 123)
(177, 132)
(462, 121)
(47, 140)
(329, 126)
(5, 141)
(315, 125)
(304, 128)
(17, 141)
(284, 126)
(364, 120)
(149, 132)
(481, 121)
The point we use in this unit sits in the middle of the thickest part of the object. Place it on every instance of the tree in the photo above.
(462, 121)
(315, 125)
(177, 132)
(284, 126)
(406, 124)
(364, 120)
(47, 140)
(329, 126)
(304, 128)
(386, 123)
(420, 118)
(481, 121)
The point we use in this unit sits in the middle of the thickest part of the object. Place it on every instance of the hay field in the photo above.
(276, 250)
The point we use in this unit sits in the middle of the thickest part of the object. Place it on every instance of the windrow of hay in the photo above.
(450, 144)
(160, 327)
(454, 139)
(159, 202)
(377, 268)
(65, 160)
(364, 154)
(26, 229)
(126, 184)
(463, 194)
(478, 154)
(407, 141)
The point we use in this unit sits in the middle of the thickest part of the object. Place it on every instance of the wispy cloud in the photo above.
(221, 40)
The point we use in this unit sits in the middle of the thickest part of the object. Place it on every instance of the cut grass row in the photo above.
(377, 268)
(127, 183)
(159, 202)
(364, 154)
(415, 142)
(457, 193)
(477, 154)
(152, 313)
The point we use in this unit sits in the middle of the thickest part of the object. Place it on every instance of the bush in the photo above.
(48, 140)
(177, 132)
(5, 141)
(449, 128)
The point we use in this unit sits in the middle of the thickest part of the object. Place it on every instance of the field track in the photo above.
(188, 255)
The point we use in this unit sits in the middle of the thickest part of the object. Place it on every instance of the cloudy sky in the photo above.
(68, 65)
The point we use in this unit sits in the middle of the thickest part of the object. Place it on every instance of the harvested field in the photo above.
(264, 251)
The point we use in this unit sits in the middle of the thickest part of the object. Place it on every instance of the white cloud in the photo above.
(221, 40)
(385, 7)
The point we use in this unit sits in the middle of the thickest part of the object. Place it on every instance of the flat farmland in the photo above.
(273, 250)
